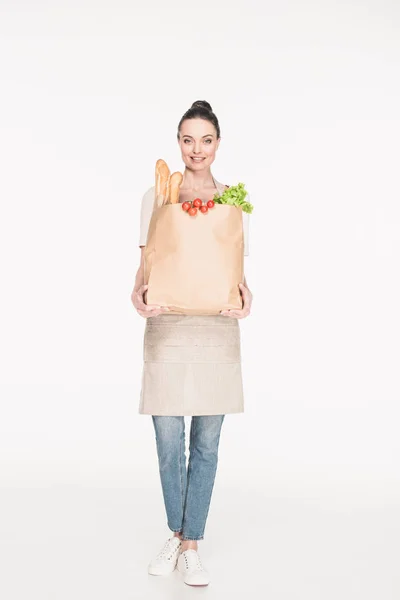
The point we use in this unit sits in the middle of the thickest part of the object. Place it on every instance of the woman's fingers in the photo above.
(151, 311)
(146, 310)
(141, 291)
(154, 307)
(147, 315)
(247, 297)
(236, 314)
(137, 297)
(140, 304)
(246, 302)
(145, 307)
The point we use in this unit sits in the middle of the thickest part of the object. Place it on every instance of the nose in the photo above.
(197, 147)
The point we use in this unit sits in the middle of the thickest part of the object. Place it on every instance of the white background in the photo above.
(306, 498)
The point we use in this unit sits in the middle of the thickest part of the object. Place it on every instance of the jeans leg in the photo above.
(205, 432)
(170, 441)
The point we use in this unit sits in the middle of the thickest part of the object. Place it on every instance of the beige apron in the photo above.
(192, 365)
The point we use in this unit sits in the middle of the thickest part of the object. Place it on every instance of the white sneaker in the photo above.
(165, 561)
(189, 564)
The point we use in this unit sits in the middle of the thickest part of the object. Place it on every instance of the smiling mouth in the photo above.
(197, 159)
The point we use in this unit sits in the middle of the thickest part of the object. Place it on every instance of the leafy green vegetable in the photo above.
(235, 196)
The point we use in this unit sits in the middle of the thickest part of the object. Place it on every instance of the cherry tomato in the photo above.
(192, 211)
(186, 206)
(204, 209)
(210, 204)
(197, 202)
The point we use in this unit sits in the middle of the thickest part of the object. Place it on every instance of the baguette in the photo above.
(167, 191)
(175, 183)
(162, 178)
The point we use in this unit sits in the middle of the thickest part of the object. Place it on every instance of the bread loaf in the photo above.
(175, 183)
(162, 179)
(168, 191)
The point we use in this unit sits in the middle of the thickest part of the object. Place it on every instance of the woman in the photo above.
(187, 382)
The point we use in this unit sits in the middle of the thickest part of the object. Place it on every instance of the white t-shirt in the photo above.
(147, 210)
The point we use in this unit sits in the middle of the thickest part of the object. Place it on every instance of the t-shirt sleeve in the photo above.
(146, 211)
(246, 228)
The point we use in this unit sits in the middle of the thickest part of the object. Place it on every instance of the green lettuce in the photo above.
(235, 196)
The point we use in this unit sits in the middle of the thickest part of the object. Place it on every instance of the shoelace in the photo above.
(166, 550)
(193, 560)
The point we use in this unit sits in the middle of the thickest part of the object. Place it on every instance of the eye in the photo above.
(209, 140)
(186, 140)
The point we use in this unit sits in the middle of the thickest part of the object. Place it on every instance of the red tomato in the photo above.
(192, 211)
(197, 202)
(210, 204)
(186, 206)
(204, 209)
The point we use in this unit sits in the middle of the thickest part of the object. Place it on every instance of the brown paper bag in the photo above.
(194, 265)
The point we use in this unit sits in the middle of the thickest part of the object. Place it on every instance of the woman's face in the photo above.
(198, 139)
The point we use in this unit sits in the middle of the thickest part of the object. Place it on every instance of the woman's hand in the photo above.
(247, 298)
(145, 310)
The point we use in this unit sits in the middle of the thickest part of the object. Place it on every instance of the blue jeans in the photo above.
(187, 494)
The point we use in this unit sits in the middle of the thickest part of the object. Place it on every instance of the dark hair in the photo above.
(201, 110)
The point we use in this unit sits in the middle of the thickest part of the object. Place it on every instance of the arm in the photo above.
(247, 298)
(144, 310)
(139, 279)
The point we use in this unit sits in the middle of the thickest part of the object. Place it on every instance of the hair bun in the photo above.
(202, 104)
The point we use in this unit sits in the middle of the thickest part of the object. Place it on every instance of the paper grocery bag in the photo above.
(194, 265)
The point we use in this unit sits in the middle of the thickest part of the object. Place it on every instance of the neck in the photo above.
(196, 180)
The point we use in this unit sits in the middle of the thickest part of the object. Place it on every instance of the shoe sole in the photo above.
(191, 584)
(155, 572)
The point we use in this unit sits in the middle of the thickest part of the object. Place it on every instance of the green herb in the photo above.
(235, 196)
